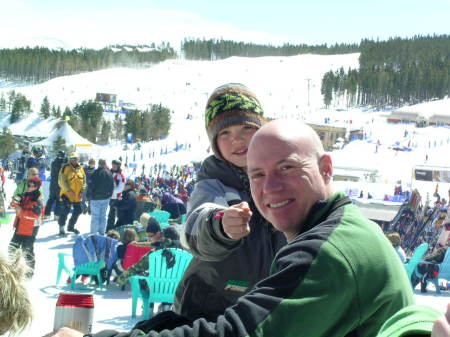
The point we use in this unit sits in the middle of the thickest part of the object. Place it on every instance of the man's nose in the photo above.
(272, 183)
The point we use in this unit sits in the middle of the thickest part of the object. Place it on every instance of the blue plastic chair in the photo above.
(162, 281)
(161, 216)
(413, 262)
(444, 271)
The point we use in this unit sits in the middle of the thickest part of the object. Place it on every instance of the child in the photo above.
(29, 216)
(233, 246)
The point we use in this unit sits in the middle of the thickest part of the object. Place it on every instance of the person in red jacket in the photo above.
(29, 216)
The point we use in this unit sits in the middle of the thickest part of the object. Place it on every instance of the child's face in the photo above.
(233, 143)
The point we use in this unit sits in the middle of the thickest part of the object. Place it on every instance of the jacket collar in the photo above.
(214, 168)
(322, 208)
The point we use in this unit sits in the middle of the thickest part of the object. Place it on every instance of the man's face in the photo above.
(233, 143)
(285, 183)
(73, 161)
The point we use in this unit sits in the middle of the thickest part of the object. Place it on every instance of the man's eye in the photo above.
(256, 175)
(286, 167)
(223, 133)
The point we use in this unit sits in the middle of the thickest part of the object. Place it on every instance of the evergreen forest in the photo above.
(393, 73)
(214, 49)
(40, 64)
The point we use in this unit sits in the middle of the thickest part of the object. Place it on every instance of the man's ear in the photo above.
(326, 167)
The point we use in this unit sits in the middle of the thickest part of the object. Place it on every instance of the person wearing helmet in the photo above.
(37, 160)
(119, 184)
(53, 198)
(72, 181)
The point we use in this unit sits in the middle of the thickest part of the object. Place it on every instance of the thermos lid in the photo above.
(75, 300)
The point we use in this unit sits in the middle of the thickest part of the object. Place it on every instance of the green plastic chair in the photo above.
(64, 265)
(162, 281)
(91, 268)
(413, 262)
(161, 216)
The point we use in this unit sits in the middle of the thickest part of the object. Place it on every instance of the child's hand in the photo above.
(235, 221)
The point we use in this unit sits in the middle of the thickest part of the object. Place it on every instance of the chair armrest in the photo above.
(427, 262)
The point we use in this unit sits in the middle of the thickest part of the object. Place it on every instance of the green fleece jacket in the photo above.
(412, 321)
(339, 277)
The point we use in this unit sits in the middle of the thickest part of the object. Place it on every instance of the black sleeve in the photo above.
(110, 183)
(128, 200)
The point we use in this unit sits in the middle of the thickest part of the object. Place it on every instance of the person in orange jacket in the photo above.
(29, 216)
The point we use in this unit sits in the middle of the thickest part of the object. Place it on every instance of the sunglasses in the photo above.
(74, 158)
(31, 185)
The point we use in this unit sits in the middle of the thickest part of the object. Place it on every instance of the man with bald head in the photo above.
(337, 276)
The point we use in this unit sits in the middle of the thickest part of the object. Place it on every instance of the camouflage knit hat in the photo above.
(231, 104)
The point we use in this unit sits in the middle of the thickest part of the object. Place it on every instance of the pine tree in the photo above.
(11, 99)
(118, 127)
(160, 121)
(2, 104)
(90, 114)
(53, 110)
(45, 108)
(133, 123)
(21, 106)
(105, 132)
(146, 120)
(7, 145)
(67, 113)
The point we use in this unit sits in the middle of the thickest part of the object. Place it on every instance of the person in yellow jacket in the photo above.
(72, 181)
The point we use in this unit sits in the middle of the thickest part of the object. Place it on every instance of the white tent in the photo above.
(64, 130)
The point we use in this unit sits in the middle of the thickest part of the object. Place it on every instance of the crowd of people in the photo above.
(277, 251)
(111, 199)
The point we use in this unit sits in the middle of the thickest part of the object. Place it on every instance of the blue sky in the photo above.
(96, 23)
